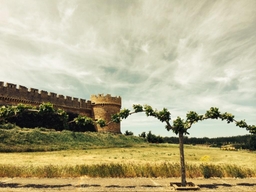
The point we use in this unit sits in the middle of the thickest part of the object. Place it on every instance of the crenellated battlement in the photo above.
(34, 95)
(100, 106)
(105, 99)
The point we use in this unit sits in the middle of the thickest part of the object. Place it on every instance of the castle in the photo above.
(99, 106)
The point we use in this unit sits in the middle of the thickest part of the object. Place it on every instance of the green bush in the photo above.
(7, 126)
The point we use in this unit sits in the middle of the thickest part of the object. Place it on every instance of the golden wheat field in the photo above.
(140, 154)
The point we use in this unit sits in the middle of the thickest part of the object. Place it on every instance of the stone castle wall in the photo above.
(103, 107)
(10, 94)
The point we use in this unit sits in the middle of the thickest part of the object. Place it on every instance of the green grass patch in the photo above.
(15, 139)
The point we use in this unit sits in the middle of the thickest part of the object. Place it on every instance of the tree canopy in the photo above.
(179, 124)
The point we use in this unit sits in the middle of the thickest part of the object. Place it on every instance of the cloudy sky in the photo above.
(180, 54)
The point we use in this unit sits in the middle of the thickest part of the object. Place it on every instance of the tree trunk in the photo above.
(182, 160)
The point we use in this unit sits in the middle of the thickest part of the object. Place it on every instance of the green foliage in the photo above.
(62, 117)
(149, 111)
(11, 111)
(124, 113)
(46, 116)
(21, 107)
(252, 129)
(181, 125)
(51, 118)
(241, 124)
(151, 138)
(46, 108)
(138, 108)
(101, 122)
(193, 117)
(115, 118)
(213, 113)
(83, 120)
(62, 114)
(163, 115)
(127, 133)
(239, 142)
(251, 144)
(7, 126)
(143, 135)
(178, 125)
(6, 112)
(227, 116)
(28, 116)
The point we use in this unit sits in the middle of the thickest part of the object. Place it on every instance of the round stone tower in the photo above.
(102, 108)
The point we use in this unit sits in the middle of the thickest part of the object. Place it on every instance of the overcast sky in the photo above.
(180, 54)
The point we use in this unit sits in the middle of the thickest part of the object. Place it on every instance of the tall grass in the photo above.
(126, 170)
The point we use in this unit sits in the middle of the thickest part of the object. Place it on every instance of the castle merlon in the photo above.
(105, 99)
(33, 95)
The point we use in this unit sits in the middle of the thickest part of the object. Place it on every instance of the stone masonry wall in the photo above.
(100, 106)
(10, 94)
(103, 107)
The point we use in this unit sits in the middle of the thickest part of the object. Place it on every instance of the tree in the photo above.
(151, 138)
(181, 126)
(44, 115)
(252, 142)
(143, 135)
(127, 133)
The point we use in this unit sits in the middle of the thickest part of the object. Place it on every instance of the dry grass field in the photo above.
(158, 153)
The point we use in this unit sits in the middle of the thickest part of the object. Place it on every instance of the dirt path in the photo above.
(120, 184)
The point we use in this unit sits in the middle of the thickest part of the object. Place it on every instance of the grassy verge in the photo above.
(126, 170)
(16, 139)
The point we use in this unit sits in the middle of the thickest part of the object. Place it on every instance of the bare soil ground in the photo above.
(121, 184)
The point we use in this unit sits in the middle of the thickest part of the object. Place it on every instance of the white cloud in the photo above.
(183, 55)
